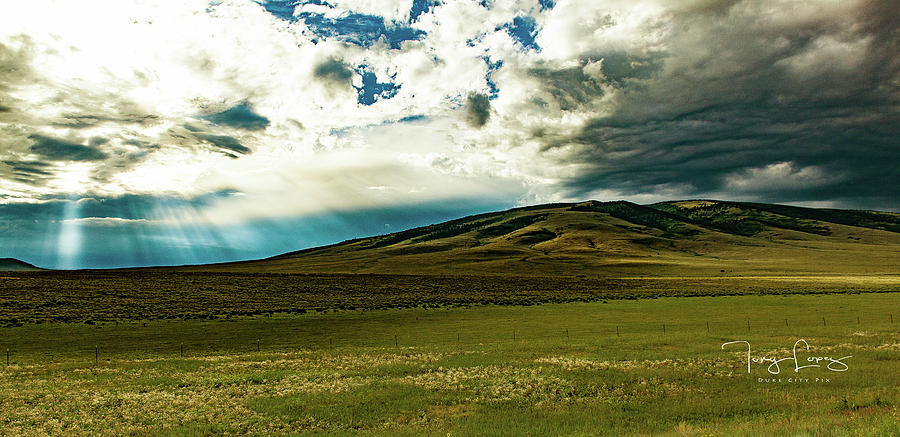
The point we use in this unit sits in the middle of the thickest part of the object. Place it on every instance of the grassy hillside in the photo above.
(614, 239)
(754, 218)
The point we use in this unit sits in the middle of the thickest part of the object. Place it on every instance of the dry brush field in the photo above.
(97, 296)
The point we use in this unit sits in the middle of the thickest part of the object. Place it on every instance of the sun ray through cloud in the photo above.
(70, 240)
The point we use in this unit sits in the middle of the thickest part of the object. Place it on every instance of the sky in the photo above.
(140, 132)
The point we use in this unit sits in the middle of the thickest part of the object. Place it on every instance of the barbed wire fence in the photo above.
(393, 339)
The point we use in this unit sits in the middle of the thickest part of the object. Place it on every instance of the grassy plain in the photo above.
(109, 296)
(621, 367)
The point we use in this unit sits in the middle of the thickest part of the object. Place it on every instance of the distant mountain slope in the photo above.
(752, 218)
(698, 237)
(10, 264)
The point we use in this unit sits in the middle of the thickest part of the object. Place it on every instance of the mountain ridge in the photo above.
(617, 238)
(13, 264)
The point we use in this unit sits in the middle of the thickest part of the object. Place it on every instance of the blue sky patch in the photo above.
(412, 118)
(420, 7)
(283, 9)
(211, 6)
(372, 91)
(523, 30)
(360, 29)
(316, 2)
(494, 90)
(546, 4)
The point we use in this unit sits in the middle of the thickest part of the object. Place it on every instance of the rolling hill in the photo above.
(12, 264)
(615, 239)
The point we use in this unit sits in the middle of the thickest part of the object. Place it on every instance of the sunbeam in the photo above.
(69, 246)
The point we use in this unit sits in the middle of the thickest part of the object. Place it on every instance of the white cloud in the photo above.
(107, 221)
(827, 54)
(391, 10)
(575, 28)
(180, 61)
(780, 176)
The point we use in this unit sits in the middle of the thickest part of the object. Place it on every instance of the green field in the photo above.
(109, 296)
(633, 367)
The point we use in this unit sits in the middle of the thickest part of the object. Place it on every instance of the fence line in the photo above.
(519, 335)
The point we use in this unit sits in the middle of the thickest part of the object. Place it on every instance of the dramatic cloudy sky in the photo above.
(159, 132)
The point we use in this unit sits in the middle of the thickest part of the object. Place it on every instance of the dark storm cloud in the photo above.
(225, 142)
(478, 109)
(34, 173)
(141, 144)
(333, 72)
(56, 149)
(29, 167)
(86, 120)
(571, 88)
(203, 137)
(29, 172)
(240, 116)
(97, 141)
(742, 105)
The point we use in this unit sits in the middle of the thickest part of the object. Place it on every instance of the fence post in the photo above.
(96, 353)
(257, 345)
(707, 327)
(182, 350)
(617, 330)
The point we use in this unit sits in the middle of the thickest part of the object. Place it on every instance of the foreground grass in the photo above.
(558, 369)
